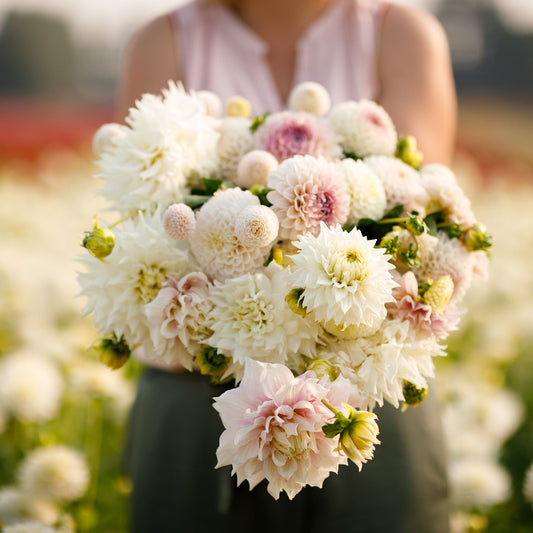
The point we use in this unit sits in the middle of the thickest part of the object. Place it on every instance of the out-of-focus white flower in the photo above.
(55, 472)
(254, 168)
(237, 106)
(345, 279)
(367, 196)
(143, 258)
(364, 128)
(214, 243)
(179, 221)
(212, 103)
(12, 505)
(30, 386)
(528, 485)
(235, 141)
(29, 527)
(257, 225)
(307, 191)
(105, 136)
(310, 97)
(401, 182)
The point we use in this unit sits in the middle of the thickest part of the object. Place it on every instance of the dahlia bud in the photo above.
(407, 151)
(294, 301)
(237, 106)
(277, 255)
(323, 367)
(113, 352)
(254, 168)
(310, 97)
(476, 238)
(439, 293)
(99, 242)
(212, 363)
(413, 395)
(179, 221)
(416, 225)
(256, 226)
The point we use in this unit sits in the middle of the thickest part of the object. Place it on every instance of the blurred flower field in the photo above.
(63, 414)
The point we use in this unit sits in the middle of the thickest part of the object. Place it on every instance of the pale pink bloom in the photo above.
(290, 133)
(179, 221)
(176, 317)
(307, 191)
(273, 424)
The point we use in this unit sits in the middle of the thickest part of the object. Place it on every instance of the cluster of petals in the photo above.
(273, 428)
(179, 221)
(254, 168)
(310, 97)
(307, 191)
(257, 225)
(234, 142)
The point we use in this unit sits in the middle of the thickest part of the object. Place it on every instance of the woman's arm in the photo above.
(416, 79)
(149, 61)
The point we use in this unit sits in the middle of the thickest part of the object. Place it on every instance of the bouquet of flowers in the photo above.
(307, 255)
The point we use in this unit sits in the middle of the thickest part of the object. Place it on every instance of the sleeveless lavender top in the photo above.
(222, 54)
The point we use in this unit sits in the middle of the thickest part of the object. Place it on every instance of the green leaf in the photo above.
(257, 121)
(433, 220)
(395, 212)
(211, 185)
(333, 429)
(196, 200)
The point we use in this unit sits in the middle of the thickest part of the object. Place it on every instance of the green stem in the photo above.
(393, 220)
(93, 446)
(330, 407)
(123, 219)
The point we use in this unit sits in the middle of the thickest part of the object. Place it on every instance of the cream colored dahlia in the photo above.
(179, 221)
(251, 320)
(401, 182)
(168, 140)
(367, 195)
(105, 136)
(345, 279)
(235, 141)
(256, 225)
(214, 243)
(55, 472)
(364, 128)
(212, 103)
(307, 191)
(143, 258)
(310, 97)
(254, 168)
(31, 387)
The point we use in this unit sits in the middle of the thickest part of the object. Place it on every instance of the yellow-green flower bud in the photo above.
(323, 367)
(277, 255)
(99, 242)
(294, 299)
(113, 352)
(413, 395)
(439, 293)
(391, 243)
(237, 106)
(416, 225)
(212, 363)
(408, 152)
(476, 238)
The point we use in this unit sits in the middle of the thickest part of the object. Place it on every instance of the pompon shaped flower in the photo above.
(366, 192)
(168, 140)
(177, 318)
(288, 133)
(310, 97)
(105, 136)
(215, 244)
(273, 429)
(344, 278)
(212, 103)
(401, 182)
(254, 168)
(251, 320)
(55, 472)
(307, 191)
(445, 194)
(235, 140)
(364, 128)
(30, 387)
(257, 225)
(143, 258)
(179, 221)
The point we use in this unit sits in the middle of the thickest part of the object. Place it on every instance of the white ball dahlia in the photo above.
(179, 221)
(344, 278)
(105, 137)
(212, 103)
(307, 191)
(254, 168)
(364, 128)
(256, 225)
(235, 141)
(215, 244)
(365, 190)
(310, 97)
(55, 472)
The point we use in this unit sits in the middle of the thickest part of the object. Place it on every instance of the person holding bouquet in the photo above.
(358, 49)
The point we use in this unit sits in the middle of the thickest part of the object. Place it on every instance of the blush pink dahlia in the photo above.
(274, 431)
(289, 133)
(307, 191)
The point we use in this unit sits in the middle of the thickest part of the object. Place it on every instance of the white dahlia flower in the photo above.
(143, 258)
(256, 225)
(235, 140)
(310, 97)
(345, 279)
(13, 504)
(364, 128)
(179, 221)
(254, 168)
(214, 243)
(251, 320)
(401, 182)
(167, 140)
(366, 193)
(307, 191)
(105, 137)
(55, 472)
(30, 387)
(212, 103)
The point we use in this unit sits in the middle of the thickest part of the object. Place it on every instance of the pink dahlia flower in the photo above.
(307, 191)
(274, 431)
(291, 133)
